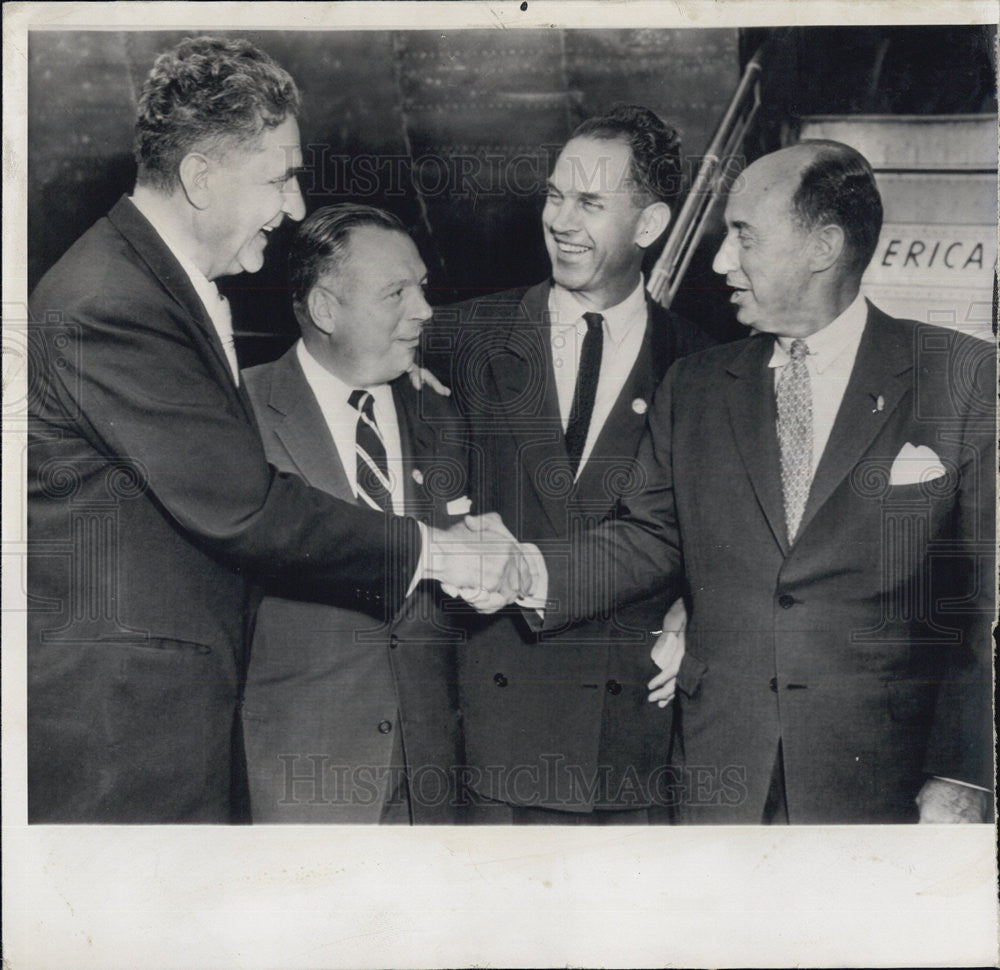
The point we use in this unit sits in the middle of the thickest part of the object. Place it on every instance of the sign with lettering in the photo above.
(940, 273)
(946, 254)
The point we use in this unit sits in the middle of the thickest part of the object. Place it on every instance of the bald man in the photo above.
(826, 488)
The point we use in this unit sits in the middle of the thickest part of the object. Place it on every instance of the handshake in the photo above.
(481, 561)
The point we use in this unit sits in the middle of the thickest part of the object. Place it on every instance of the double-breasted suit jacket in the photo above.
(864, 646)
(337, 704)
(560, 722)
(152, 510)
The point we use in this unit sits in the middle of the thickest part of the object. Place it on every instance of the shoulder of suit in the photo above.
(689, 338)
(907, 331)
(506, 304)
(716, 357)
(258, 379)
(97, 268)
(258, 375)
(425, 404)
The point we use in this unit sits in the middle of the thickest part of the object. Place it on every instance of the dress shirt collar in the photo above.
(215, 304)
(202, 285)
(567, 311)
(329, 387)
(827, 345)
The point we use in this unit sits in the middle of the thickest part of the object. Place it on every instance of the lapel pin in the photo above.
(418, 476)
(639, 406)
(879, 404)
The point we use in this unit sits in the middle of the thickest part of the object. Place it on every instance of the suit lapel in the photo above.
(299, 425)
(144, 239)
(526, 357)
(627, 417)
(752, 413)
(881, 370)
(526, 388)
(433, 443)
(415, 440)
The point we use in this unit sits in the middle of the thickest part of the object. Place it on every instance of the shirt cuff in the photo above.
(535, 600)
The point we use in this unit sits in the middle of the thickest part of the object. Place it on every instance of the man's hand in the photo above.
(667, 654)
(941, 801)
(419, 376)
(480, 561)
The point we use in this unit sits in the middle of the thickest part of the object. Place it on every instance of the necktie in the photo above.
(372, 463)
(794, 402)
(223, 319)
(586, 388)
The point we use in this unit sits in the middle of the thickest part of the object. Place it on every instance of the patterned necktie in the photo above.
(586, 388)
(794, 401)
(372, 464)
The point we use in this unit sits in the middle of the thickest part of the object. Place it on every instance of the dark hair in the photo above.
(207, 94)
(320, 245)
(838, 187)
(655, 147)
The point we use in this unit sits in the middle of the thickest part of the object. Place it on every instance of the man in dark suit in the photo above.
(556, 381)
(151, 505)
(347, 720)
(826, 487)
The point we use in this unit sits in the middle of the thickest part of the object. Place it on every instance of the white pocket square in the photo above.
(915, 464)
(459, 506)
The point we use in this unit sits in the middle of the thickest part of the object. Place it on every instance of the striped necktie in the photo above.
(372, 464)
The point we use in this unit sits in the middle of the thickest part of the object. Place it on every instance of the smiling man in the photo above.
(556, 381)
(347, 720)
(152, 508)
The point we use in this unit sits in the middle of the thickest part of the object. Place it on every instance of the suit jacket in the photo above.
(335, 700)
(864, 646)
(565, 723)
(151, 508)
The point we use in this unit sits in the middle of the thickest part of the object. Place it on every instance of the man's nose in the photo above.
(294, 206)
(725, 259)
(420, 309)
(562, 216)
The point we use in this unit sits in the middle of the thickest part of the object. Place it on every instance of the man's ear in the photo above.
(652, 223)
(322, 307)
(826, 245)
(194, 177)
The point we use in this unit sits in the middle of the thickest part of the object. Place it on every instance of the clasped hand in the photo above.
(480, 561)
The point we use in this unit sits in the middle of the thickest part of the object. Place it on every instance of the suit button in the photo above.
(384, 727)
(613, 687)
(500, 680)
(393, 641)
(773, 685)
(785, 601)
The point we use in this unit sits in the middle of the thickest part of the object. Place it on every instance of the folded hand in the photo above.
(667, 654)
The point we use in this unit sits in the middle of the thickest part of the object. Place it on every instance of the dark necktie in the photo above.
(372, 463)
(586, 388)
(794, 403)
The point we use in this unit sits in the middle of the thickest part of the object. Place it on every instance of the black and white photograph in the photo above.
(442, 435)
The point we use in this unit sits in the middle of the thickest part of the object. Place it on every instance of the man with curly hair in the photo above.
(152, 510)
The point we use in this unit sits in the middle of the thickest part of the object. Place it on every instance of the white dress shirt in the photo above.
(832, 352)
(216, 305)
(342, 420)
(624, 328)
